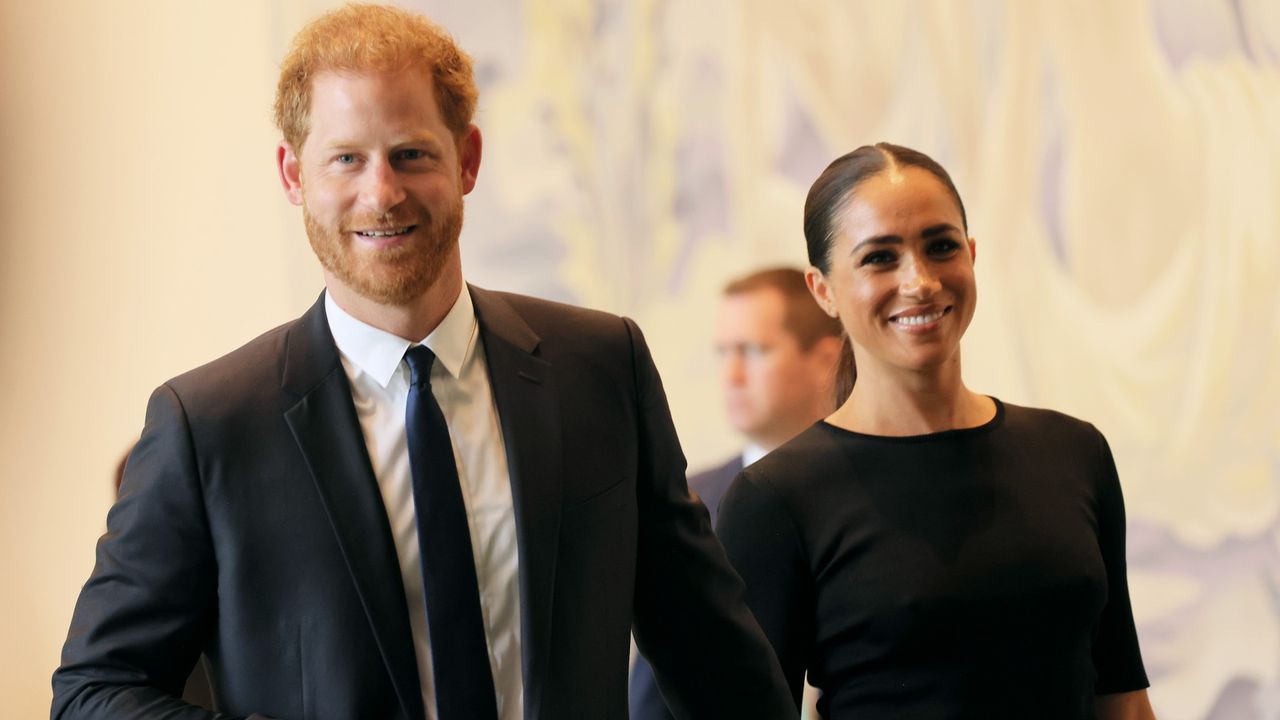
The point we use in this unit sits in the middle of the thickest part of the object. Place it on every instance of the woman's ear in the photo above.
(821, 290)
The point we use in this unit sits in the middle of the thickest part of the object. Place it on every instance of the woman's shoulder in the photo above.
(807, 458)
(783, 491)
(1042, 422)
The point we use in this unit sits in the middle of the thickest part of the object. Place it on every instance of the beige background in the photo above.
(1120, 160)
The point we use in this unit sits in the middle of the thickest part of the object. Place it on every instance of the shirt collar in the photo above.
(377, 353)
(751, 453)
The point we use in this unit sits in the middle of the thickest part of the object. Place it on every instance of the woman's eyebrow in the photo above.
(878, 240)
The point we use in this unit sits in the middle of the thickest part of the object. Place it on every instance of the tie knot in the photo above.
(420, 359)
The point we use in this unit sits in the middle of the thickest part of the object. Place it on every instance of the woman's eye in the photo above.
(877, 257)
(944, 247)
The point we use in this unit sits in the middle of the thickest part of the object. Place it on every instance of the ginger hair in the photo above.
(359, 38)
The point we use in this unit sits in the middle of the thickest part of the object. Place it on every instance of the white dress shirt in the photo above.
(751, 453)
(374, 363)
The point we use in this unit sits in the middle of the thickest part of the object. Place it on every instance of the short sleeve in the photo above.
(765, 547)
(1116, 657)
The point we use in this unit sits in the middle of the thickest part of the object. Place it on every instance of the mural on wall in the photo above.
(1121, 164)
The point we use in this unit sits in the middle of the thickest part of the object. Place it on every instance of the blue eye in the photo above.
(346, 158)
(412, 154)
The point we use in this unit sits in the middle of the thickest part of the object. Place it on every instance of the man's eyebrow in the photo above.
(417, 139)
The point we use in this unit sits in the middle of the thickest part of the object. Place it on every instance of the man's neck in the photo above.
(412, 321)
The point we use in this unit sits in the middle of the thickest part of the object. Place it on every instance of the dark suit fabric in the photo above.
(644, 698)
(250, 527)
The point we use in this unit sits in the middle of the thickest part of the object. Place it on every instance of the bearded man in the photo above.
(421, 498)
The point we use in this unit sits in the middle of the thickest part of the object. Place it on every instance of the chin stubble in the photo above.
(398, 275)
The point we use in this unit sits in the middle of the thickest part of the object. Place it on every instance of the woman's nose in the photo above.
(919, 279)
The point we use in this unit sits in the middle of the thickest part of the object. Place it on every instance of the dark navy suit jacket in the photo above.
(645, 700)
(250, 527)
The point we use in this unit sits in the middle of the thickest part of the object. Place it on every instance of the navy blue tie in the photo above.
(463, 681)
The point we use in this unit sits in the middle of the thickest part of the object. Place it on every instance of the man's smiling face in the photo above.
(381, 179)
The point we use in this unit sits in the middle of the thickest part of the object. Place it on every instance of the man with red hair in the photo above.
(421, 498)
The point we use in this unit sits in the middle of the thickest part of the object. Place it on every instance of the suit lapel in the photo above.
(325, 426)
(528, 409)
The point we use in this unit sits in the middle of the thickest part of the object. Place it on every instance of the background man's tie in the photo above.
(459, 654)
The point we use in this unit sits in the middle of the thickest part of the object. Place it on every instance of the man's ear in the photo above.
(290, 172)
(821, 290)
(973, 250)
(469, 151)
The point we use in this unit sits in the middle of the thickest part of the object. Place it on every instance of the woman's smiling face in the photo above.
(900, 272)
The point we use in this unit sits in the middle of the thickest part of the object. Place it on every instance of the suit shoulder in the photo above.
(711, 484)
(712, 475)
(580, 337)
(246, 373)
(553, 317)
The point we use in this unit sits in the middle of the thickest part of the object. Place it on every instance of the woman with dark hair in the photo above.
(927, 551)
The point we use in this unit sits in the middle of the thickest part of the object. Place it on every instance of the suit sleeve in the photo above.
(764, 545)
(145, 612)
(707, 652)
(1116, 657)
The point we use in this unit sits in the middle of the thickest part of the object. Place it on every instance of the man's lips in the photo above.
(384, 237)
(378, 233)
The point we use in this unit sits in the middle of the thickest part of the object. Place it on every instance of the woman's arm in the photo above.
(1116, 656)
(764, 545)
(1124, 706)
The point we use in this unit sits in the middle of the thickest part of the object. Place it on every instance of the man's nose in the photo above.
(382, 189)
(732, 369)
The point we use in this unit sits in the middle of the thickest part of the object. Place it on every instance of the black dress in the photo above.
(975, 573)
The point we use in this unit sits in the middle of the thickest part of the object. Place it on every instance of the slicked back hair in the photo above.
(830, 193)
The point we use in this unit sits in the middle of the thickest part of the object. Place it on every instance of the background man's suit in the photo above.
(644, 698)
(250, 526)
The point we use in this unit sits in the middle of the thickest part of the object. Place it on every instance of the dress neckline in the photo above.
(996, 421)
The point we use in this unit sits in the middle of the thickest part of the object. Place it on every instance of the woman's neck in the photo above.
(899, 402)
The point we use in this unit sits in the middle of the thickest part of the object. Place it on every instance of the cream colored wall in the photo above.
(142, 232)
